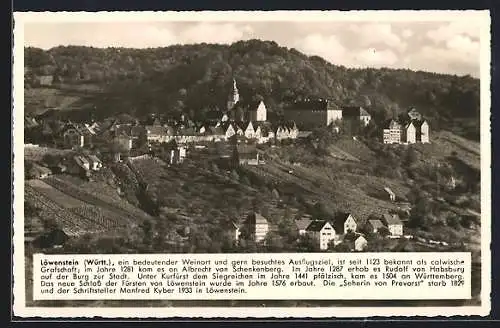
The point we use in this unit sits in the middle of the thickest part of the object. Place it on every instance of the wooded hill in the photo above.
(196, 78)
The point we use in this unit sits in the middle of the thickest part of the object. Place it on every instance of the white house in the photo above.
(258, 113)
(345, 222)
(258, 226)
(410, 133)
(229, 131)
(360, 244)
(350, 224)
(322, 232)
(249, 131)
(364, 116)
(424, 134)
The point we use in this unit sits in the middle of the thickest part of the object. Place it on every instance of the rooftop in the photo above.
(316, 225)
(392, 219)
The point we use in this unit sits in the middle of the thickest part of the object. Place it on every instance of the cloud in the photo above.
(327, 46)
(446, 31)
(432, 46)
(372, 57)
(46, 35)
(135, 35)
(464, 46)
(447, 60)
(407, 33)
(377, 34)
(332, 49)
(215, 33)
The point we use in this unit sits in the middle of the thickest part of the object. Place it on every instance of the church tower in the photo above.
(234, 97)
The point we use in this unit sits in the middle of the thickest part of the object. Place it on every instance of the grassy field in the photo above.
(444, 144)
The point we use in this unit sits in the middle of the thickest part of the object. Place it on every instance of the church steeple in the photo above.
(234, 97)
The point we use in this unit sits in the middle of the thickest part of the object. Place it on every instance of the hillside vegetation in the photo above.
(194, 78)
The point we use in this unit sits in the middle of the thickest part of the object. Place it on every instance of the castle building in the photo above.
(313, 113)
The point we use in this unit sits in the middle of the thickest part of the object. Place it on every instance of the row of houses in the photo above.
(261, 132)
(411, 128)
(131, 135)
(324, 232)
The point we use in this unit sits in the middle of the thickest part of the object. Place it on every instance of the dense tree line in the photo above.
(195, 78)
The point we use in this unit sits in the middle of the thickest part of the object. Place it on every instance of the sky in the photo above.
(449, 47)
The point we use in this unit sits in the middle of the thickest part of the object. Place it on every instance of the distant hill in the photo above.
(196, 78)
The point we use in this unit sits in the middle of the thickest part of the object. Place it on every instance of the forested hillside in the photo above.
(195, 78)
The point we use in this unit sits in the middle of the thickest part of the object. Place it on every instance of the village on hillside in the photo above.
(235, 137)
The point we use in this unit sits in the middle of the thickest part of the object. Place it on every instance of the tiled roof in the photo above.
(392, 219)
(316, 225)
(363, 112)
(376, 223)
(302, 224)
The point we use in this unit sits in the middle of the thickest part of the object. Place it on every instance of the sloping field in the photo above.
(444, 143)
(148, 169)
(355, 148)
(101, 190)
(58, 197)
(123, 212)
(71, 223)
(340, 191)
(341, 154)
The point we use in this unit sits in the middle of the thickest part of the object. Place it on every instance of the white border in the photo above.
(21, 18)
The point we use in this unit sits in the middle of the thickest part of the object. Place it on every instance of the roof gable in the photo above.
(376, 224)
(318, 225)
(302, 224)
(392, 219)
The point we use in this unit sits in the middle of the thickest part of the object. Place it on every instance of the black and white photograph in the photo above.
(236, 134)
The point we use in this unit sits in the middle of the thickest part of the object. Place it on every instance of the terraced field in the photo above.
(99, 194)
(71, 223)
(120, 211)
(54, 194)
(77, 211)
